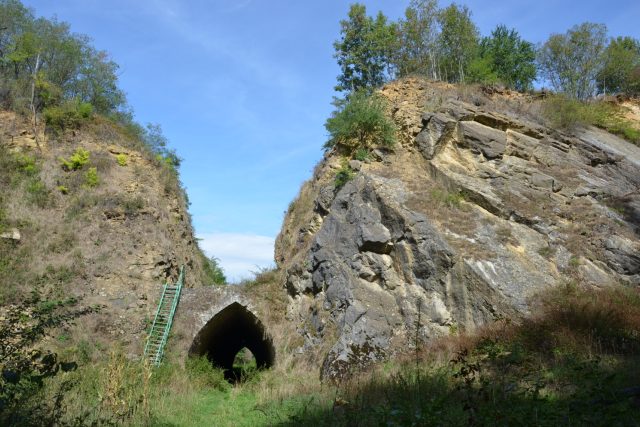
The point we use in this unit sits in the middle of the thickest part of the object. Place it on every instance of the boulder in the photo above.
(12, 234)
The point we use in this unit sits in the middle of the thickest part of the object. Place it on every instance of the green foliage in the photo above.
(360, 123)
(621, 70)
(63, 243)
(458, 41)
(448, 198)
(364, 50)
(91, 178)
(510, 59)
(566, 113)
(77, 160)
(62, 65)
(63, 189)
(245, 368)
(22, 326)
(201, 371)
(122, 159)
(69, 115)
(344, 174)
(26, 164)
(362, 154)
(416, 47)
(132, 205)
(481, 70)
(546, 251)
(571, 61)
(563, 112)
(38, 193)
(574, 360)
(213, 271)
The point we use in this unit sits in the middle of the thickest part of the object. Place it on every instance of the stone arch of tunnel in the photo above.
(229, 331)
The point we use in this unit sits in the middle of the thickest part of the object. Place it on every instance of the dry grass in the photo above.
(568, 361)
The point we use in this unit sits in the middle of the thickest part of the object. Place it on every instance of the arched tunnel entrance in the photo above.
(227, 333)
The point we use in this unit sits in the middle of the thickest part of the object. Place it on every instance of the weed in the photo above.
(84, 351)
(213, 271)
(546, 251)
(201, 371)
(38, 192)
(91, 178)
(362, 154)
(70, 114)
(122, 159)
(26, 164)
(63, 243)
(80, 204)
(450, 199)
(62, 189)
(567, 113)
(344, 174)
(132, 206)
(59, 276)
(504, 234)
(77, 160)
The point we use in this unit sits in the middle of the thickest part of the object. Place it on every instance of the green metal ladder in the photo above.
(159, 334)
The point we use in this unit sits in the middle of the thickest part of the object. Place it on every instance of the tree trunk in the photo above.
(33, 101)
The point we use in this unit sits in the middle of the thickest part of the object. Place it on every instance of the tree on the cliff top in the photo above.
(512, 59)
(458, 41)
(572, 61)
(416, 51)
(621, 70)
(363, 50)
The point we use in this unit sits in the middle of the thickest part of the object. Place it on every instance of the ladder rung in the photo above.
(159, 332)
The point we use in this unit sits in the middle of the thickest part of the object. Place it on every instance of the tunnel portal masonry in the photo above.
(218, 322)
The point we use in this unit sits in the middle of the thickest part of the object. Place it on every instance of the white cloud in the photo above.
(239, 254)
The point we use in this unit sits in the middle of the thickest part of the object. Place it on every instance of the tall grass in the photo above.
(566, 113)
(575, 361)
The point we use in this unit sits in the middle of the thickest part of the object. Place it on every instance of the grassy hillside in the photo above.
(92, 222)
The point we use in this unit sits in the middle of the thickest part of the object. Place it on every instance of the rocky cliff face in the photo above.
(112, 244)
(478, 208)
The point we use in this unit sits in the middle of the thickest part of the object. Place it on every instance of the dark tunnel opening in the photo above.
(227, 333)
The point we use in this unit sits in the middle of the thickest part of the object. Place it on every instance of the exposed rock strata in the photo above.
(472, 214)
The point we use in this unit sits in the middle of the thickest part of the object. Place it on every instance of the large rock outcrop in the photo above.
(478, 208)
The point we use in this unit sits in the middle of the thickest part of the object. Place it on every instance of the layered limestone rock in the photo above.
(461, 223)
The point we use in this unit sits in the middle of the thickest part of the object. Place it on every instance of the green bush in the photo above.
(344, 174)
(563, 112)
(202, 372)
(26, 164)
(213, 271)
(77, 160)
(481, 71)
(132, 206)
(362, 154)
(122, 159)
(360, 122)
(567, 113)
(68, 115)
(38, 193)
(91, 178)
(450, 199)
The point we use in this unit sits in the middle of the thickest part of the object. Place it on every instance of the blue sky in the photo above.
(242, 89)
